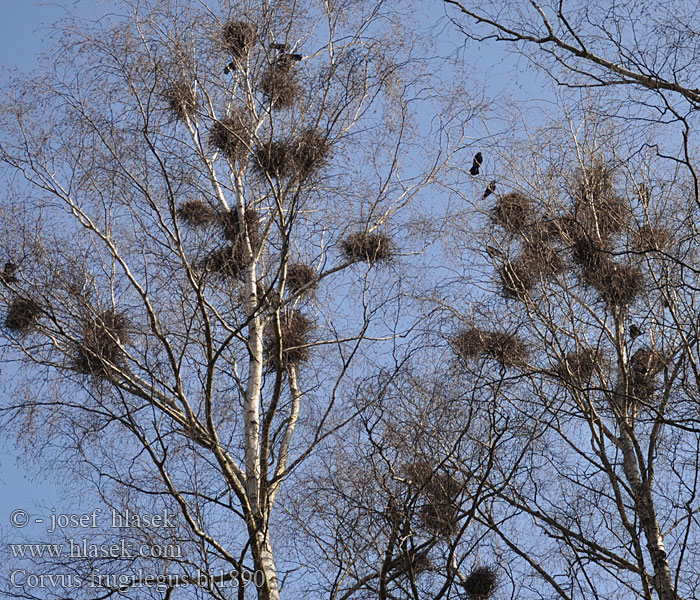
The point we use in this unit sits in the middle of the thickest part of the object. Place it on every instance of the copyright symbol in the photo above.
(19, 518)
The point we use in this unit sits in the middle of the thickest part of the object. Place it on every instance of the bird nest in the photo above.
(238, 38)
(22, 315)
(591, 255)
(481, 583)
(440, 512)
(369, 247)
(579, 366)
(182, 99)
(598, 207)
(196, 213)
(231, 136)
(412, 563)
(279, 85)
(644, 367)
(618, 285)
(541, 258)
(292, 345)
(506, 348)
(300, 156)
(301, 278)
(102, 345)
(232, 230)
(513, 211)
(228, 261)
(311, 151)
(649, 238)
(517, 277)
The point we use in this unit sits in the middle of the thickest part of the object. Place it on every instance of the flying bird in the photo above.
(478, 159)
(490, 189)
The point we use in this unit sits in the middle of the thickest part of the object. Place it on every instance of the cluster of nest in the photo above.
(506, 348)
(182, 99)
(579, 366)
(279, 83)
(651, 238)
(292, 345)
(644, 366)
(22, 315)
(104, 337)
(231, 136)
(440, 511)
(238, 38)
(598, 208)
(301, 278)
(299, 156)
(481, 583)
(367, 247)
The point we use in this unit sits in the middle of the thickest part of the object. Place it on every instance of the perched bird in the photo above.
(294, 57)
(230, 67)
(635, 331)
(280, 47)
(8, 273)
(490, 189)
(478, 159)
(494, 252)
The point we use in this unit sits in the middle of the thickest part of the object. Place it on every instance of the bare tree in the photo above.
(591, 351)
(202, 234)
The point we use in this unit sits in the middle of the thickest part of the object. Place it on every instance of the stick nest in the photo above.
(229, 261)
(238, 38)
(102, 344)
(301, 278)
(579, 366)
(513, 211)
(618, 285)
(182, 99)
(231, 136)
(644, 367)
(22, 315)
(196, 213)
(295, 330)
(440, 512)
(517, 278)
(299, 156)
(481, 583)
(650, 238)
(506, 348)
(598, 207)
(279, 85)
(233, 232)
(368, 247)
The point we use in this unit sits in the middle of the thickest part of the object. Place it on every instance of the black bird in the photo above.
(281, 47)
(636, 331)
(8, 273)
(478, 159)
(494, 252)
(490, 189)
(294, 57)
(230, 67)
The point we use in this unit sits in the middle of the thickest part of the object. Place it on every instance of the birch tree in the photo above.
(202, 235)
